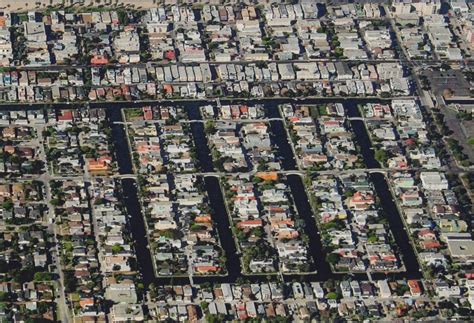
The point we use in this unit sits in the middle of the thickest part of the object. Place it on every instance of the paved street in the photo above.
(64, 311)
(163, 217)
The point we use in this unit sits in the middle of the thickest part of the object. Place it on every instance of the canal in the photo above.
(362, 138)
(279, 138)
(387, 202)
(130, 198)
(202, 149)
(221, 219)
(213, 188)
(284, 151)
(304, 209)
(397, 227)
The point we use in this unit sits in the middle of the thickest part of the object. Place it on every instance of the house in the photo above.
(100, 165)
(65, 116)
(361, 200)
(121, 292)
(415, 287)
(248, 224)
(206, 269)
(5, 191)
(470, 291)
(434, 181)
(125, 312)
(460, 245)
(454, 54)
(267, 176)
(367, 288)
(345, 288)
(297, 289)
(384, 288)
(99, 60)
(343, 71)
(227, 292)
(192, 313)
(286, 72)
(443, 289)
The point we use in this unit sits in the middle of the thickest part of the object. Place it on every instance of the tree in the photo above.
(140, 286)
(56, 202)
(43, 307)
(23, 275)
(153, 290)
(215, 318)
(70, 282)
(7, 205)
(4, 296)
(445, 67)
(100, 201)
(332, 258)
(209, 127)
(42, 276)
(332, 295)
(213, 45)
(37, 166)
(372, 239)
(116, 249)
(402, 289)
(339, 52)
(204, 306)
(329, 284)
(381, 156)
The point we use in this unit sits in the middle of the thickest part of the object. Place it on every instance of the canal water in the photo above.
(279, 138)
(362, 138)
(202, 149)
(284, 152)
(221, 218)
(397, 227)
(295, 183)
(130, 199)
(304, 210)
